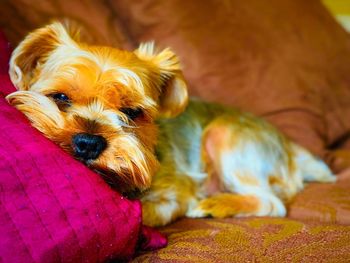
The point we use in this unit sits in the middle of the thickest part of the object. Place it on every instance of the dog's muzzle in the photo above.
(87, 146)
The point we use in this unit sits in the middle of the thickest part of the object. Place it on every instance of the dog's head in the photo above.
(98, 103)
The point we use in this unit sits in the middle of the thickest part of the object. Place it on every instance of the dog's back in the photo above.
(237, 164)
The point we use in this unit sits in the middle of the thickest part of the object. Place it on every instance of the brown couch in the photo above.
(288, 61)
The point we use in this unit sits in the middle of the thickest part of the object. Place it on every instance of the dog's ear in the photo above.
(35, 49)
(173, 96)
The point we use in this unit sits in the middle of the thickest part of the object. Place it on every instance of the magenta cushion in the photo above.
(53, 208)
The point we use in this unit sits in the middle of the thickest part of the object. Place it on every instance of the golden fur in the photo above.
(196, 160)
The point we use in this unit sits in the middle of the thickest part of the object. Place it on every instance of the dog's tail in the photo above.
(312, 168)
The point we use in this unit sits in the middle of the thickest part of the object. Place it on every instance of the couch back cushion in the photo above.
(287, 61)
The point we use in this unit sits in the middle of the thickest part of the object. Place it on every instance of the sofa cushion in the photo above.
(99, 22)
(286, 60)
(328, 203)
(252, 240)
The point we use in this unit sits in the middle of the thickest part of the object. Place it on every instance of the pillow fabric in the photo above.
(53, 208)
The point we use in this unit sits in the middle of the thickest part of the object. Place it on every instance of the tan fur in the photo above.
(100, 81)
(188, 158)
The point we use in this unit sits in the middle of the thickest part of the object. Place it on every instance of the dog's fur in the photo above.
(197, 159)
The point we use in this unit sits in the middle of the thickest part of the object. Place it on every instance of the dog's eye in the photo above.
(60, 97)
(132, 113)
(62, 100)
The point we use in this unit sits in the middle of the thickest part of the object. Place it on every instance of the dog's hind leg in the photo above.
(311, 168)
(242, 160)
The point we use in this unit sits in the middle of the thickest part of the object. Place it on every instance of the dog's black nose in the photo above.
(88, 146)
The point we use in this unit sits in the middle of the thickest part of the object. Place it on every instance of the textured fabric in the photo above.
(53, 208)
(252, 240)
(151, 239)
(329, 203)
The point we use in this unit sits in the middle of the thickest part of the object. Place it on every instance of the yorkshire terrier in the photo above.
(127, 115)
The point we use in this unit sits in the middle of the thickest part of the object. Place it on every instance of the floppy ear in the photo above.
(34, 50)
(173, 96)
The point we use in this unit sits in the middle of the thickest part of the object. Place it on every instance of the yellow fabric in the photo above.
(341, 10)
(252, 240)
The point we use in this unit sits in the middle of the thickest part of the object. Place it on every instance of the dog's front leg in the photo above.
(225, 205)
(168, 198)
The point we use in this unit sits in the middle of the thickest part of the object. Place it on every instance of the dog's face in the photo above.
(98, 103)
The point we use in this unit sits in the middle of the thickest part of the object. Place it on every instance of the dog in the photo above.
(128, 116)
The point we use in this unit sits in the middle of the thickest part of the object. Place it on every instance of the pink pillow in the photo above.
(53, 208)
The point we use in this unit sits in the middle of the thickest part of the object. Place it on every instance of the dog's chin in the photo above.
(116, 183)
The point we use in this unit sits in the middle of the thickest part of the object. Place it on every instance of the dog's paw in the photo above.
(225, 205)
(196, 213)
(210, 207)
